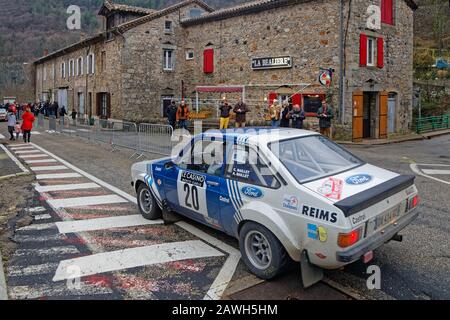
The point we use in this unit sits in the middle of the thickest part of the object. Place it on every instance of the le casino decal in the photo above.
(193, 178)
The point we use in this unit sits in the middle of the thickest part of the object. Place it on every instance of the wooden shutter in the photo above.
(380, 53)
(108, 105)
(382, 132)
(208, 61)
(98, 103)
(363, 50)
(387, 11)
(358, 105)
(272, 96)
(297, 99)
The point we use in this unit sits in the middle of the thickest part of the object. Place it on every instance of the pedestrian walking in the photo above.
(240, 109)
(74, 115)
(62, 114)
(12, 120)
(274, 112)
(172, 114)
(297, 115)
(325, 115)
(183, 114)
(285, 115)
(27, 124)
(225, 109)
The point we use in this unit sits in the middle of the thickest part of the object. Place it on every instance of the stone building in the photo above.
(260, 51)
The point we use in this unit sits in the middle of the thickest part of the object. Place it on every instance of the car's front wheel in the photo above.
(147, 204)
(261, 251)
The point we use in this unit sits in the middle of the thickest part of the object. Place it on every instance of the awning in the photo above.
(220, 89)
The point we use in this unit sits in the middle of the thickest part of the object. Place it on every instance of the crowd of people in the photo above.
(282, 114)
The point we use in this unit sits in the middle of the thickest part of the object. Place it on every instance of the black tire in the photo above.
(262, 268)
(147, 203)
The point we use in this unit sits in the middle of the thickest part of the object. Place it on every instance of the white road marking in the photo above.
(38, 227)
(135, 257)
(85, 201)
(84, 130)
(27, 151)
(57, 176)
(2, 136)
(24, 147)
(42, 217)
(104, 223)
(436, 172)
(65, 187)
(34, 238)
(17, 162)
(48, 168)
(46, 252)
(36, 209)
(59, 290)
(415, 168)
(14, 271)
(31, 156)
(41, 161)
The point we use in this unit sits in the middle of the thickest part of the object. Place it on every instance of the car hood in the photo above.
(351, 182)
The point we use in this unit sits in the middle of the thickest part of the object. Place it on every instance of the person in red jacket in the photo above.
(27, 124)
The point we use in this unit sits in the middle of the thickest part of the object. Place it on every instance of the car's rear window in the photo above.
(313, 157)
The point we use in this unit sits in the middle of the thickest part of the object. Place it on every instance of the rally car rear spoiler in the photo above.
(369, 197)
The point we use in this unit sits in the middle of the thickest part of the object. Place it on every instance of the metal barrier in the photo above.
(433, 123)
(52, 123)
(155, 138)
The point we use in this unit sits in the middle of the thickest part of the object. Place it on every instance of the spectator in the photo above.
(74, 115)
(274, 112)
(325, 115)
(241, 110)
(11, 117)
(62, 114)
(27, 124)
(225, 109)
(285, 115)
(172, 114)
(297, 115)
(183, 115)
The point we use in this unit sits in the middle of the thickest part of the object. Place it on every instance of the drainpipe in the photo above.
(341, 61)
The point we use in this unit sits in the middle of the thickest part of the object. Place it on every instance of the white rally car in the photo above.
(284, 193)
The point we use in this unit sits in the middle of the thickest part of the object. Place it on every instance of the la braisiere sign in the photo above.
(271, 63)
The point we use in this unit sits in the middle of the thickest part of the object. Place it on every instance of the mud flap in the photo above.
(310, 273)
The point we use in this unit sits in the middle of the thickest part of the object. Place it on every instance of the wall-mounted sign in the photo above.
(271, 63)
(326, 77)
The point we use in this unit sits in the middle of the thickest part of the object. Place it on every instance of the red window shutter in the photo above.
(208, 61)
(363, 50)
(380, 53)
(387, 11)
(297, 99)
(272, 96)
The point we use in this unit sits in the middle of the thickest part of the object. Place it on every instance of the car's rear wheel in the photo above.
(261, 251)
(147, 204)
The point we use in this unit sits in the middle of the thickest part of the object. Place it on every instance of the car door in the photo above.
(193, 187)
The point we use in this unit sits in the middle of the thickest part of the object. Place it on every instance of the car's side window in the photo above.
(246, 165)
(204, 157)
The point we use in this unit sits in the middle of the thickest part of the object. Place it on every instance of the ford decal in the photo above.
(252, 192)
(358, 179)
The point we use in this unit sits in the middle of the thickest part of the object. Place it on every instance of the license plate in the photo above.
(383, 220)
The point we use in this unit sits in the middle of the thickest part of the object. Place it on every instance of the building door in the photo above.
(103, 105)
(81, 108)
(358, 116)
(62, 97)
(165, 103)
(383, 115)
(392, 101)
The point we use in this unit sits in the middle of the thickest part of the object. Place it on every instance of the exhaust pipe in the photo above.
(397, 237)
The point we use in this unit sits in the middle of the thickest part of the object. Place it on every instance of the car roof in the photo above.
(259, 135)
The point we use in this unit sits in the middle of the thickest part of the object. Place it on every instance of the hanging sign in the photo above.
(271, 63)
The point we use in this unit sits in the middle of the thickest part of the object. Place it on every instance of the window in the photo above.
(387, 11)
(195, 13)
(189, 54)
(103, 104)
(80, 66)
(168, 59)
(91, 64)
(245, 164)
(45, 74)
(71, 68)
(63, 70)
(53, 71)
(168, 26)
(103, 61)
(206, 157)
(313, 157)
(370, 52)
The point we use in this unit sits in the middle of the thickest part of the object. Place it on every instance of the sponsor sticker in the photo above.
(252, 192)
(332, 188)
(240, 173)
(193, 178)
(224, 199)
(290, 202)
(320, 214)
(358, 179)
(312, 231)
(317, 232)
(159, 182)
(323, 235)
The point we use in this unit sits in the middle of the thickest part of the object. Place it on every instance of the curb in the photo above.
(20, 174)
(3, 290)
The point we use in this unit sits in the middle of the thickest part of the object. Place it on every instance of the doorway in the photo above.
(392, 105)
(62, 97)
(369, 111)
(81, 104)
(165, 103)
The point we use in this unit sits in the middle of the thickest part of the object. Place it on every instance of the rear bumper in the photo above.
(376, 240)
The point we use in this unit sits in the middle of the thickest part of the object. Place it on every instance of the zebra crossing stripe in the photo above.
(85, 201)
(40, 161)
(48, 168)
(134, 257)
(65, 187)
(57, 176)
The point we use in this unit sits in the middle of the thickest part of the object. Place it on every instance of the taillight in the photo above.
(348, 239)
(412, 202)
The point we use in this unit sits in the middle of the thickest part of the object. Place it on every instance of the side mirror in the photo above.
(169, 165)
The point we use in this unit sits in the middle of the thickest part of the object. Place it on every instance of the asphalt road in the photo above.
(416, 268)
